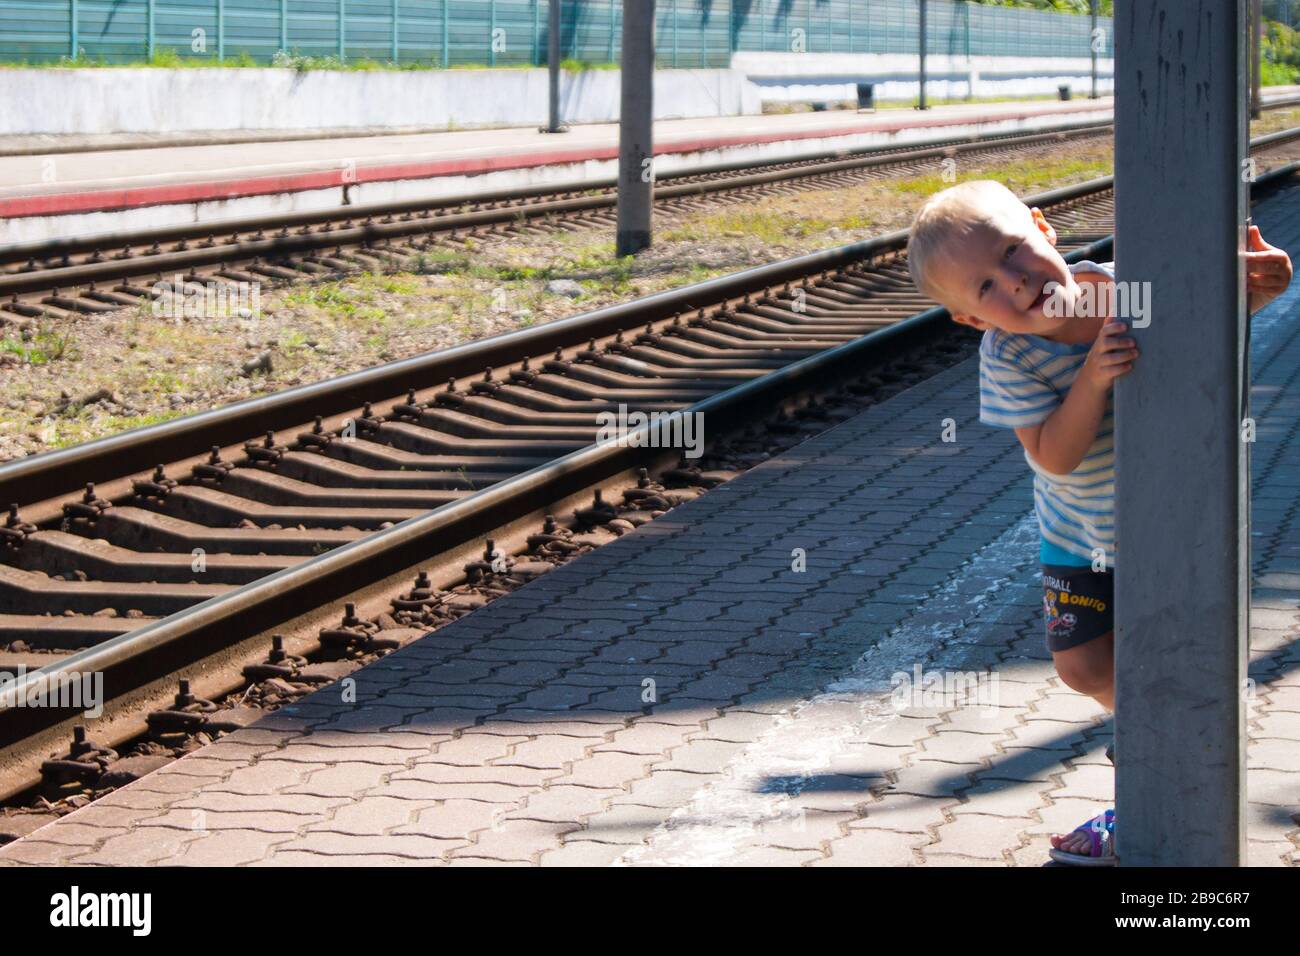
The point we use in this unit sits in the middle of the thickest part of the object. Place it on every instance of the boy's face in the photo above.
(997, 275)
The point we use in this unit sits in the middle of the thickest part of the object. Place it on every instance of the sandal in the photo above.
(1101, 831)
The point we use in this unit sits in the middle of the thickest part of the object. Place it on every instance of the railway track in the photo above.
(66, 277)
(265, 517)
(63, 278)
(59, 279)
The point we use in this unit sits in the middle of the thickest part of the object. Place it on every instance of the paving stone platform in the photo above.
(685, 696)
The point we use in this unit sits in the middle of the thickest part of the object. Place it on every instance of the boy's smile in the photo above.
(1001, 272)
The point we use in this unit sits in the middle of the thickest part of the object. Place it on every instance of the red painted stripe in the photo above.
(686, 146)
(107, 200)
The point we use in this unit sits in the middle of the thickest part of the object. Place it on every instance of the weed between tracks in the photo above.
(155, 368)
(1272, 121)
(46, 345)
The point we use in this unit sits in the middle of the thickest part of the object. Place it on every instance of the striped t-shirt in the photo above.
(1023, 380)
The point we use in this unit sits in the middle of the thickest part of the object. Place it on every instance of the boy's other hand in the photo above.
(1268, 271)
(1111, 356)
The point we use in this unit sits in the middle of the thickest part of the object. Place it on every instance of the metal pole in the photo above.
(965, 9)
(674, 3)
(446, 37)
(1092, 45)
(1256, 54)
(1182, 586)
(636, 128)
(553, 124)
(149, 29)
(920, 105)
(284, 25)
(221, 29)
(343, 53)
(394, 49)
(492, 32)
(74, 14)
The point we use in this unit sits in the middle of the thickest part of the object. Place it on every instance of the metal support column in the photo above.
(613, 27)
(636, 128)
(920, 104)
(1182, 562)
(553, 9)
(965, 10)
(674, 22)
(343, 32)
(1092, 45)
(446, 37)
(1256, 53)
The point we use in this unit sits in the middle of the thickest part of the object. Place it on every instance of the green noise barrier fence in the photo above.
(513, 33)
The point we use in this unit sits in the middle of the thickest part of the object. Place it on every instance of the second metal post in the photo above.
(636, 128)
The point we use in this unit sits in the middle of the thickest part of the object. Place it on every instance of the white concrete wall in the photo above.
(105, 101)
(96, 101)
(804, 77)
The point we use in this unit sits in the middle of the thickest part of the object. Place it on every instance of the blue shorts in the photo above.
(1078, 604)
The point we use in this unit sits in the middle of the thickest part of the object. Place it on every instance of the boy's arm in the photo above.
(1059, 442)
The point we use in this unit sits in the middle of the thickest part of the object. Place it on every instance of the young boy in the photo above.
(1046, 370)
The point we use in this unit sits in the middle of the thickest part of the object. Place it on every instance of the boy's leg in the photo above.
(1089, 668)
(1081, 637)
(1078, 604)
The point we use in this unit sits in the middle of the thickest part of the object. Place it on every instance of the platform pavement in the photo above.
(772, 732)
(81, 182)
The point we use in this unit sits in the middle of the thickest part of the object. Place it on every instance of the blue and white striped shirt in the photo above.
(1023, 380)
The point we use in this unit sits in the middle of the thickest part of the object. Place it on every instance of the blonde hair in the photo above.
(947, 215)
